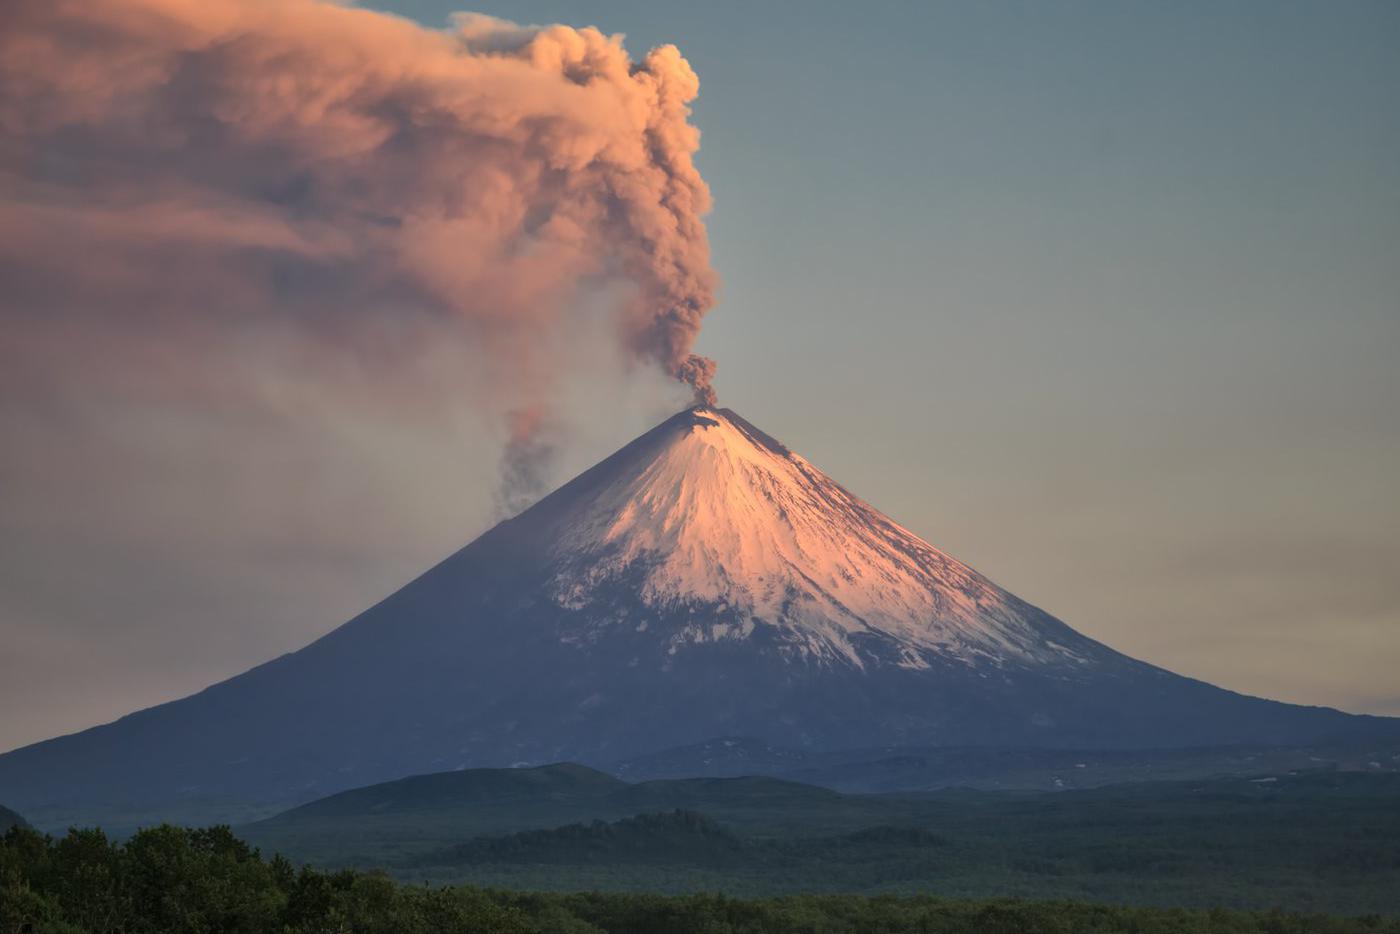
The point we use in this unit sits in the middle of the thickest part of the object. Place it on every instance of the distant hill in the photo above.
(648, 839)
(563, 781)
(670, 839)
(425, 812)
(922, 768)
(1324, 840)
(10, 819)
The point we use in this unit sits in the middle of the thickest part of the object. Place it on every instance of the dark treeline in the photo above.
(170, 879)
(655, 839)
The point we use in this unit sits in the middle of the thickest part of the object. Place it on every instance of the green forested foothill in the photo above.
(170, 879)
(1324, 842)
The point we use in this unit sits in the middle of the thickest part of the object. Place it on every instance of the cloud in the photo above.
(180, 173)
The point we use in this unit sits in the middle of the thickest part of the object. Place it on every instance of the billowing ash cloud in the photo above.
(201, 169)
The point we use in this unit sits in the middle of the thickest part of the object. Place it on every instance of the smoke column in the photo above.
(182, 170)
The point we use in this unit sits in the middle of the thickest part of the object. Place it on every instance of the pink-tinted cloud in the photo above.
(170, 167)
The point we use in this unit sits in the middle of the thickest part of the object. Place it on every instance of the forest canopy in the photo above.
(173, 879)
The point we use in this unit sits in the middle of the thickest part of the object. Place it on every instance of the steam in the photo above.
(178, 167)
(526, 462)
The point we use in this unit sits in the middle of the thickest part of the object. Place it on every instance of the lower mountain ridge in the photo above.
(10, 819)
(704, 581)
(1318, 840)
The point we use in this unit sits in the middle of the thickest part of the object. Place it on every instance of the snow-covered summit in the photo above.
(708, 510)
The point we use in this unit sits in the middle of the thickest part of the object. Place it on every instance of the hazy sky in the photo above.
(1103, 299)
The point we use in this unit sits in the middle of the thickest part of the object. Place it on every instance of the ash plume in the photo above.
(177, 172)
(527, 461)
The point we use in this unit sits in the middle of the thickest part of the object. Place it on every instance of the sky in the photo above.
(1100, 298)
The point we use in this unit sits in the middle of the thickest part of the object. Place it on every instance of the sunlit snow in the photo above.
(712, 512)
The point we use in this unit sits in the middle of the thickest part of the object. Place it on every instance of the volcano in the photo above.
(704, 581)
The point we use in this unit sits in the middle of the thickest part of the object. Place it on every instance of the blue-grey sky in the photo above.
(1101, 298)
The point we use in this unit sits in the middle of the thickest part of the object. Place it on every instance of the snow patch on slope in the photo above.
(720, 515)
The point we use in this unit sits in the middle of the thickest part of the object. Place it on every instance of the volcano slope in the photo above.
(703, 581)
